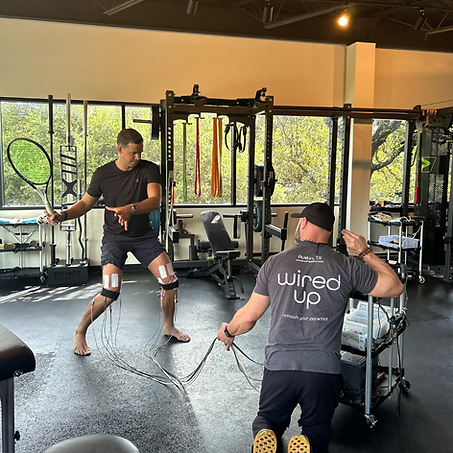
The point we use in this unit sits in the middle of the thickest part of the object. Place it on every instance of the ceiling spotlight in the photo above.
(421, 20)
(268, 12)
(343, 19)
(192, 7)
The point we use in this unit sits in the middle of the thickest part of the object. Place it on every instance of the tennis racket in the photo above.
(32, 163)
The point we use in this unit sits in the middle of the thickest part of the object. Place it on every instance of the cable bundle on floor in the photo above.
(109, 351)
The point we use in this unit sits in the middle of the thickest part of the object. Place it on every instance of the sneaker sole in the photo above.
(299, 444)
(265, 442)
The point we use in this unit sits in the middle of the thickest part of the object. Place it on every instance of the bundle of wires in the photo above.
(110, 352)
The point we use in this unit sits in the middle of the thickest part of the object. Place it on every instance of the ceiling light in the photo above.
(192, 7)
(421, 20)
(343, 20)
(268, 12)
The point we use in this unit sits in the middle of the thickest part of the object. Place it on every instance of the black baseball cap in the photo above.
(319, 214)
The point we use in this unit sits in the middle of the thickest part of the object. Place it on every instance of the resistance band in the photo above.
(184, 160)
(215, 186)
(238, 143)
(197, 186)
(220, 129)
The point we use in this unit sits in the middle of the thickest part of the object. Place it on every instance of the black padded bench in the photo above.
(16, 358)
(224, 252)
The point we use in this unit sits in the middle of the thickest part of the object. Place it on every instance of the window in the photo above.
(300, 151)
(21, 120)
(387, 165)
(300, 157)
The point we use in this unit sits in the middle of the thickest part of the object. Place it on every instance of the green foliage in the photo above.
(300, 159)
(300, 152)
(387, 164)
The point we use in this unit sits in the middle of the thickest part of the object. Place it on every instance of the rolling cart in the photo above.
(403, 242)
(367, 384)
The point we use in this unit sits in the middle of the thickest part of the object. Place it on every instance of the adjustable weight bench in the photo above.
(224, 252)
(16, 358)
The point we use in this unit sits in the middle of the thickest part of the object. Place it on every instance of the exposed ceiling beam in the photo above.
(439, 30)
(299, 17)
(396, 9)
(388, 4)
(121, 7)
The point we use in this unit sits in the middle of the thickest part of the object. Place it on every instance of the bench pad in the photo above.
(96, 443)
(15, 355)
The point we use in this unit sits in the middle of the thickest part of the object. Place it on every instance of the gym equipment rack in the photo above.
(242, 111)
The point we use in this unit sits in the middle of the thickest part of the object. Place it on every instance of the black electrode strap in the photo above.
(110, 294)
(169, 286)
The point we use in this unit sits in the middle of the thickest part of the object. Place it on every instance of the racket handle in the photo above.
(49, 208)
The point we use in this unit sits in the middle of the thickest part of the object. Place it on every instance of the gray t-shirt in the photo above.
(309, 287)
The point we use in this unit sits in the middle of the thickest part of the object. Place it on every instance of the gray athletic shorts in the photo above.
(115, 247)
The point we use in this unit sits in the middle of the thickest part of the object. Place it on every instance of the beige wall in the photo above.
(115, 64)
(405, 79)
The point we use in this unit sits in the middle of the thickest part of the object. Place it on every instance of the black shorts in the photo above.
(115, 247)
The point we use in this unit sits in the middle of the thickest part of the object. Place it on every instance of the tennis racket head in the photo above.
(32, 163)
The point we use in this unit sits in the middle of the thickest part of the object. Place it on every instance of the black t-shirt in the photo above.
(121, 188)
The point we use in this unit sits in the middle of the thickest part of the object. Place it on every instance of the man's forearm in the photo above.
(239, 324)
(76, 211)
(146, 206)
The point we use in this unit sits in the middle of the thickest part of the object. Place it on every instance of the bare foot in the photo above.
(176, 333)
(80, 345)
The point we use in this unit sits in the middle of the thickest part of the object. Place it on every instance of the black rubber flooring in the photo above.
(68, 396)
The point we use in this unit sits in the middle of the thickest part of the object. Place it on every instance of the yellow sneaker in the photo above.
(265, 442)
(299, 444)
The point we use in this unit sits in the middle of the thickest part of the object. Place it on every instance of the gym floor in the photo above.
(69, 396)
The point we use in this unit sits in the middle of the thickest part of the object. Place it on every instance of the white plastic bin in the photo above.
(392, 241)
(355, 327)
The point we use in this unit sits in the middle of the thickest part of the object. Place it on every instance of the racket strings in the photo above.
(30, 161)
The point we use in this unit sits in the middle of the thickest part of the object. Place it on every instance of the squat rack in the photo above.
(242, 111)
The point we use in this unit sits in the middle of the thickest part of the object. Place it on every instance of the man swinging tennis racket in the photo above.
(131, 188)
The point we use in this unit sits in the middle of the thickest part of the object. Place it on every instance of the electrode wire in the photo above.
(110, 352)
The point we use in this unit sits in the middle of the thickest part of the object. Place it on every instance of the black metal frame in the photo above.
(238, 111)
(348, 113)
(439, 234)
